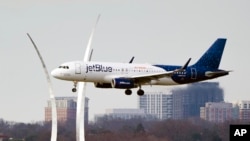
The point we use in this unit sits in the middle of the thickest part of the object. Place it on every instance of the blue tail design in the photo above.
(211, 58)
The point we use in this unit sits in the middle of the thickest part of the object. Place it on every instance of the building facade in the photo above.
(157, 104)
(66, 109)
(217, 111)
(187, 101)
(244, 110)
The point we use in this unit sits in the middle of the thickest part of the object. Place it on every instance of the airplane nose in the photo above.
(55, 73)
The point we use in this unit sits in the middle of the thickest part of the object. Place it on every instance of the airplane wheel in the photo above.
(140, 92)
(74, 90)
(128, 92)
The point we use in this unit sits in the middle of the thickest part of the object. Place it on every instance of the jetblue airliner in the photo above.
(130, 75)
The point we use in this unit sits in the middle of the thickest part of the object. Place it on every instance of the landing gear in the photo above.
(128, 92)
(74, 90)
(75, 85)
(140, 92)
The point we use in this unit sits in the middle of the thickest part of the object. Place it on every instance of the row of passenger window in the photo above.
(137, 70)
(64, 67)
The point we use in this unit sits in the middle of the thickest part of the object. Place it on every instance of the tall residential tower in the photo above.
(158, 104)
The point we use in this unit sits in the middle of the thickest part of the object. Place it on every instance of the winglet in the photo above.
(132, 59)
(90, 55)
(185, 66)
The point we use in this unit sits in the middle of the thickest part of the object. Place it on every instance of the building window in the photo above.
(245, 106)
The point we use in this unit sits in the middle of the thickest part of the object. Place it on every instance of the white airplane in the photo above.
(129, 75)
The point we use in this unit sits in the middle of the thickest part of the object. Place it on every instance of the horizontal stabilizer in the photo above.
(214, 73)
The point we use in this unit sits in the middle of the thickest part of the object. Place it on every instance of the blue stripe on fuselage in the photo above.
(189, 75)
(178, 77)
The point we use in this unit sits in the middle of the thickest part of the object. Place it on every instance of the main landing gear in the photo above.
(128, 92)
(75, 85)
(140, 92)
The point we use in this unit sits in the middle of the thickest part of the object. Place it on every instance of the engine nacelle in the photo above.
(102, 85)
(123, 83)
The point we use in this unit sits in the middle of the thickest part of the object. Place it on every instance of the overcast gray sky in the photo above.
(159, 31)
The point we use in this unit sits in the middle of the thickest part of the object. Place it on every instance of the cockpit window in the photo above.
(64, 67)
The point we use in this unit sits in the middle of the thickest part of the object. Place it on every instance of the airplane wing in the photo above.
(149, 77)
(155, 76)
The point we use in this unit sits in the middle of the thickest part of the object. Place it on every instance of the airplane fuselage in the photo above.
(131, 75)
(104, 72)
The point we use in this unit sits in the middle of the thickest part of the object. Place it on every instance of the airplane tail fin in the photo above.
(211, 58)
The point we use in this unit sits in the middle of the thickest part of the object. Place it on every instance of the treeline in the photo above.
(123, 130)
(37, 131)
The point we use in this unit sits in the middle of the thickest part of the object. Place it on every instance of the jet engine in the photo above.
(123, 83)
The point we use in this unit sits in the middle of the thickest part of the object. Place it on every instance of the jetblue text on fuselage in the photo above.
(98, 68)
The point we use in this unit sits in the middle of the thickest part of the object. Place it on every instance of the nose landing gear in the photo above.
(75, 85)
